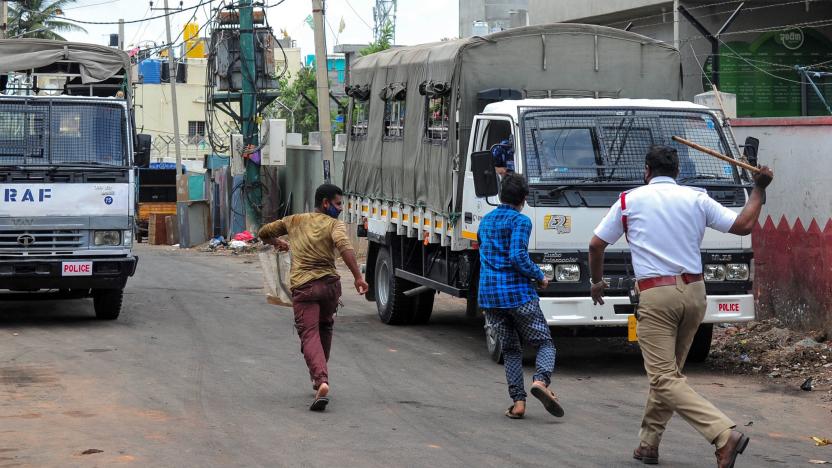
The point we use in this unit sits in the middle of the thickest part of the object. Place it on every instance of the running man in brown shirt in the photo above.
(316, 239)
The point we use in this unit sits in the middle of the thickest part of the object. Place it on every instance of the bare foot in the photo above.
(323, 390)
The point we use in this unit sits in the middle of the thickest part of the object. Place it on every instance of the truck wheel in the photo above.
(492, 342)
(472, 305)
(701, 346)
(107, 303)
(394, 308)
(424, 308)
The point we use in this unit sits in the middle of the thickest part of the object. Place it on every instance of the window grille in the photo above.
(50, 132)
(360, 119)
(394, 115)
(610, 145)
(437, 118)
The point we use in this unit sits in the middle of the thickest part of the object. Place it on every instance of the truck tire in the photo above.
(107, 303)
(701, 346)
(492, 343)
(394, 308)
(424, 308)
(472, 306)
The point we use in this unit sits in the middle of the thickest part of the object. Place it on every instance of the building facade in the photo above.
(154, 108)
(757, 52)
(477, 17)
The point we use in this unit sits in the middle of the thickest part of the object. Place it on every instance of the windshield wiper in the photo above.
(700, 177)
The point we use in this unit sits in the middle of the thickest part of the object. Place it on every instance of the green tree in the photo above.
(300, 96)
(383, 43)
(39, 19)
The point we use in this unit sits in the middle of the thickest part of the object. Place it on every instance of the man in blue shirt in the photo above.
(507, 295)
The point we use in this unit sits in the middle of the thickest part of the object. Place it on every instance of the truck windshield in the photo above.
(51, 132)
(576, 146)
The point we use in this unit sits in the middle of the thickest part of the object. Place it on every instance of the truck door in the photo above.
(489, 131)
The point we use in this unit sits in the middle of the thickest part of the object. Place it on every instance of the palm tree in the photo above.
(38, 19)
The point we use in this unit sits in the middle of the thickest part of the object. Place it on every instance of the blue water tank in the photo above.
(151, 71)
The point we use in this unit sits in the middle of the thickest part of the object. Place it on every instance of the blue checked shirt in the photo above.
(506, 271)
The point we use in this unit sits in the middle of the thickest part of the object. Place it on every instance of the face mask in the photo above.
(331, 210)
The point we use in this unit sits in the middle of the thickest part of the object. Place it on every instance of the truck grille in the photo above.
(39, 241)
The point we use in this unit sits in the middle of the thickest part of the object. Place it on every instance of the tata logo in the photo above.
(11, 195)
(26, 240)
(558, 223)
(791, 39)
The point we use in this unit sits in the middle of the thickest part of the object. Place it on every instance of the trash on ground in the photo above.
(244, 236)
(770, 349)
(821, 441)
(819, 462)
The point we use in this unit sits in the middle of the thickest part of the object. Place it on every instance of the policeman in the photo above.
(664, 224)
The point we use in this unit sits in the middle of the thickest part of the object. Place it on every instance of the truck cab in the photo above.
(578, 155)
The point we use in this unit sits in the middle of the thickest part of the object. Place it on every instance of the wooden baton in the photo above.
(717, 155)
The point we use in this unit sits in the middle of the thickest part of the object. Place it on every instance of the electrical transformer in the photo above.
(225, 59)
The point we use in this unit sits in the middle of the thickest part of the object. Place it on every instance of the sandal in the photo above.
(511, 414)
(319, 404)
(548, 399)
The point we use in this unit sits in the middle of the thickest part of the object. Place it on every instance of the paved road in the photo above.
(199, 372)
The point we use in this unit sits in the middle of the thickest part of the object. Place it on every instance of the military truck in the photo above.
(579, 105)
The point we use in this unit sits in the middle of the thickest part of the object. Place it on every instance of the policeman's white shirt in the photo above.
(665, 226)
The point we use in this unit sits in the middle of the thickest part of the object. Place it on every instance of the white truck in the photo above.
(67, 190)
(419, 169)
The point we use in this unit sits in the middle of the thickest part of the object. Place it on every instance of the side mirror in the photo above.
(141, 154)
(485, 176)
(749, 150)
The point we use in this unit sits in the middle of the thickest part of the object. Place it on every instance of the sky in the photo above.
(418, 21)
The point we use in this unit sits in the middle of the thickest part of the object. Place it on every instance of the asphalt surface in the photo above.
(199, 372)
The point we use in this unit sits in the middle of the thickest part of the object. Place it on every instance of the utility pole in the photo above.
(180, 194)
(172, 74)
(4, 18)
(248, 112)
(120, 33)
(324, 123)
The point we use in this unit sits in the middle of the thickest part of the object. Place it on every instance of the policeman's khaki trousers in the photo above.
(668, 318)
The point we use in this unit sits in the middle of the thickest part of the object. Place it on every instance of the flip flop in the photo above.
(549, 400)
(512, 415)
(319, 404)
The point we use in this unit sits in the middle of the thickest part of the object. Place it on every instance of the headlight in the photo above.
(714, 272)
(107, 238)
(548, 270)
(568, 273)
(737, 272)
(128, 238)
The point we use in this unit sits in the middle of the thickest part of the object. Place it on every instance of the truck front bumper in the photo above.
(36, 274)
(579, 311)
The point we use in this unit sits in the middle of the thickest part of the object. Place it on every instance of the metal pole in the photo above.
(676, 24)
(324, 117)
(248, 113)
(4, 18)
(120, 33)
(176, 142)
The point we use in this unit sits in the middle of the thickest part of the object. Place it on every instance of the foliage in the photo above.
(39, 19)
(383, 43)
(292, 92)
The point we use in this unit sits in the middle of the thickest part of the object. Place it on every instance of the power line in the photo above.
(358, 15)
(177, 11)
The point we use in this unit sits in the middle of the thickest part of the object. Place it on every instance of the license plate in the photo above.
(76, 269)
(631, 328)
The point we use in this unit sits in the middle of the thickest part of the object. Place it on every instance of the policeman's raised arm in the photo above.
(749, 215)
